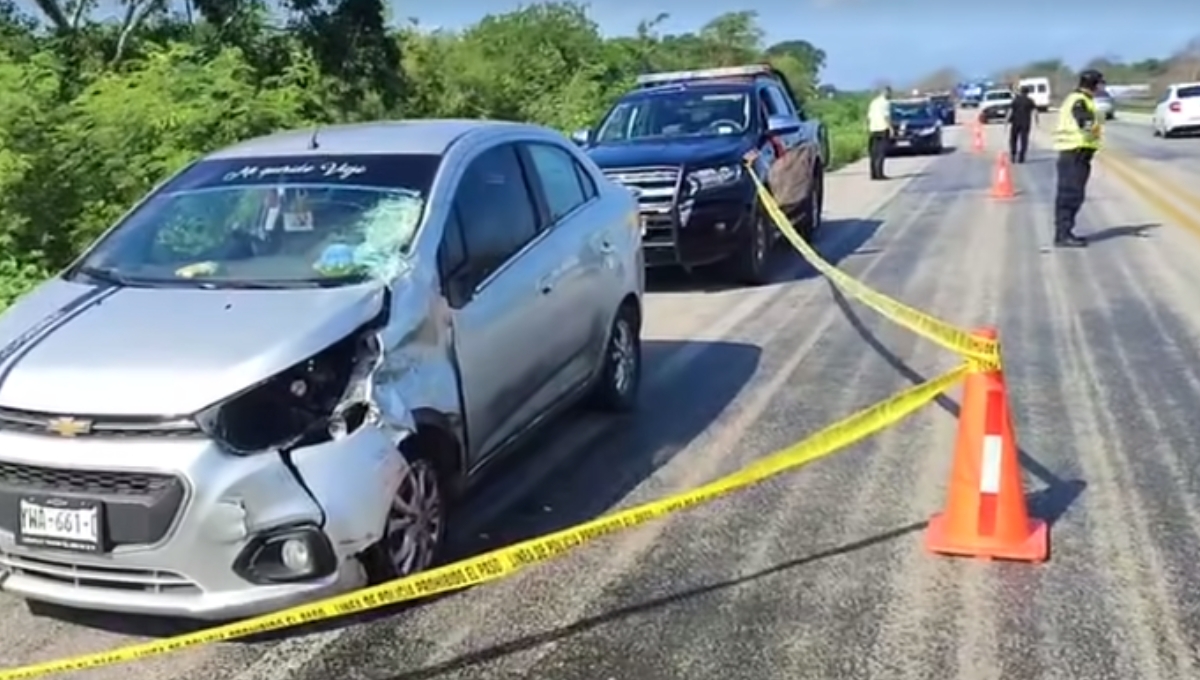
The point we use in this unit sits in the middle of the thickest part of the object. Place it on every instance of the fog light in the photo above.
(720, 226)
(287, 554)
(296, 556)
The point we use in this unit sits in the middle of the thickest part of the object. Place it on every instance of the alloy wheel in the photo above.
(414, 523)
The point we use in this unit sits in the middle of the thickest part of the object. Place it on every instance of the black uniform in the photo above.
(1020, 121)
(1074, 171)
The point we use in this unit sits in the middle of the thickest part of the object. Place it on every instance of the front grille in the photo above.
(657, 188)
(139, 507)
(88, 576)
(84, 482)
(32, 422)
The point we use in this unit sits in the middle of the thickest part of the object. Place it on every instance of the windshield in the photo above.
(910, 110)
(1188, 92)
(996, 96)
(271, 222)
(941, 101)
(677, 113)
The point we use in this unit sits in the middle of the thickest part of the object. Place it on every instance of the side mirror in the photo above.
(782, 125)
(582, 137)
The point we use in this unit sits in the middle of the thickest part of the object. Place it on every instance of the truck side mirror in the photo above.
(782, 125)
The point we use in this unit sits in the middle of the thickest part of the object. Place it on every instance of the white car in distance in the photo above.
(1178, 111)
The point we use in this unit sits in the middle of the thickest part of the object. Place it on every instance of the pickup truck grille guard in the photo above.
(658, 190)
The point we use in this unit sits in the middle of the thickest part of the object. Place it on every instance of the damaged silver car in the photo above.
(269, 381)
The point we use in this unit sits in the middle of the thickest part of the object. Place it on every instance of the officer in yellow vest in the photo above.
(1076, 139)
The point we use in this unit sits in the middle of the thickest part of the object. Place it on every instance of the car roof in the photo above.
(715, 84)
(1179, 85)
(429, 136)
(911, 100)
(1004, 90)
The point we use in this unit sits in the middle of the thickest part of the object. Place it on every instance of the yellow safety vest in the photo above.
(1068, 136)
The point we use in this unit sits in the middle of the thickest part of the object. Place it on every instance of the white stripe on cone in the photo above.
(989, 481)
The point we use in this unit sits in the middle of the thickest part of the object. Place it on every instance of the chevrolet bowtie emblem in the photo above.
(69, 427)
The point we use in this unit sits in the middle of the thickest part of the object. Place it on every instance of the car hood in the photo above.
(673, 151)
(78, 349)
(997, 102)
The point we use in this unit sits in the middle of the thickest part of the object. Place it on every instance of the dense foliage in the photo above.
(93, 114)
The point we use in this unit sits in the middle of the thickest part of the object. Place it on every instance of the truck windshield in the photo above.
(677, 113)
(271, 222)
(909, 111)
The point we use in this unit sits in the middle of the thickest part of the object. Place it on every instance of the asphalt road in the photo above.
(821, 574)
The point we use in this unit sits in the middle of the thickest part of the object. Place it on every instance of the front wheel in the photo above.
(748, 264)
(414, 531)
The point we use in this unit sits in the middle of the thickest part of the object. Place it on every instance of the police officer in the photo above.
(1022, 116)
(879, 129)
(1076, 140)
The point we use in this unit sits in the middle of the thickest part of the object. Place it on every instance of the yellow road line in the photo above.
(1156, 191)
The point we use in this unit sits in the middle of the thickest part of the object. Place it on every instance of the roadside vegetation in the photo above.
(94, 112)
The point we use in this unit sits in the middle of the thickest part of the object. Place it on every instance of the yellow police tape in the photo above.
(984, 351)
(499, 563)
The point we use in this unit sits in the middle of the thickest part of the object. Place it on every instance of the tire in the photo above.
(620, 377)
(423, 488)
(748, 265)
(814, 207)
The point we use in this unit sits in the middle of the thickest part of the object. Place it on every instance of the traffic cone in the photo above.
(986, 514)
(1002, 186)
(977, 141)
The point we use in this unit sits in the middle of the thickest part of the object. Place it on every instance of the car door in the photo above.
(502, 310)
(791, 174)
(577, 239)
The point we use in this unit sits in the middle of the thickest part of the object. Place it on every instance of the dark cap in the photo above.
(1091, 79)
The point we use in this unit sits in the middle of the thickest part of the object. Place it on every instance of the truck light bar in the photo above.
(650, 79)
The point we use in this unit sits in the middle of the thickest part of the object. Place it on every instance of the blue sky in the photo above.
(902, 40)
(896, 40)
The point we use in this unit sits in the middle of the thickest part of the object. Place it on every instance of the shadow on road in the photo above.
(1133, 231)
(561, 479)
(835, 240)
(532, 641)
(1051, 502)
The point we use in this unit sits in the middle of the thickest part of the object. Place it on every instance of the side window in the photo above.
(452, 254)
(780, 101)
(496, 210)
(589, 183)
(770, 106)
(559, 178)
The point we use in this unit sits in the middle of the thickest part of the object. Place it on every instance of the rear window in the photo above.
(1041, 87)
(1189, 92)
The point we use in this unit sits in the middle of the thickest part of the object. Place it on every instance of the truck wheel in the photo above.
(748, 265)
(814, 207)
(620, 377)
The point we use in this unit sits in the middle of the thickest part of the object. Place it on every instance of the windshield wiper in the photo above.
(109, 275)
(277, 284)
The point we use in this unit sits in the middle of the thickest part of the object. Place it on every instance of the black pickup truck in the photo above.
(678, 141)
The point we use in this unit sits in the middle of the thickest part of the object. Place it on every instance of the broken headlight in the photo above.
(313, 401)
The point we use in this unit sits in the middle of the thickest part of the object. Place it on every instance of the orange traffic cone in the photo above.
(985, 513)
(1002, 186)
(977, 140)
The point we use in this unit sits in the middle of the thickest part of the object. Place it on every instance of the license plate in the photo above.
(901, 142)
(67, 524)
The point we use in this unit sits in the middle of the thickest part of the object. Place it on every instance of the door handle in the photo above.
(605, 246)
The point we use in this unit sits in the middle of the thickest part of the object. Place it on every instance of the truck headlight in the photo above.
(709, 178)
